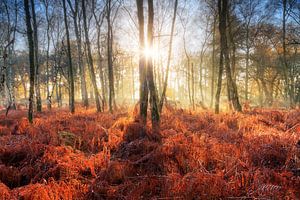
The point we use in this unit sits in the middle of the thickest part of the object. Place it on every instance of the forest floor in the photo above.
(111, 156)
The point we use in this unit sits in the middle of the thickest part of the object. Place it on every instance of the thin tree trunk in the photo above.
(213, 64)
(111, 100)
(81, 67)
(36, 59)
(31, 59)
(71, 77)
(221, 66)
(47, 55)
(90, 59)
(193, 86)
(155, 118)
(219, 83)
(285, 63)
(232, 88)
(201, 74)
(142, 65)
(100, 66)
(247, 64)
(163, 95)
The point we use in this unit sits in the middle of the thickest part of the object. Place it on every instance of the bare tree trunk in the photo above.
(221, 66)
(232, 88)
(232, 47)
(101, 73)
(188, 74)
(47, 53)
(112, 102)
(155, 118)
(247, 65)
(7, 69)
(71, 77)
(31, 59)
(90, 58)
(213, 63)
(99, 22)
(289, 93)
(188, 77)
(142, 65)
(219, 83)
(81, 67)
(201, 78)
(36, 59)
(163, 95)
(193, 86)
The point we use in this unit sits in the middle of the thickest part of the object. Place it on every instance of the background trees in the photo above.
(256, 41)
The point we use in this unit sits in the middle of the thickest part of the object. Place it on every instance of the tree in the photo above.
(231, 85)
(46, 4)
(31, 59)
(142, 63)
(70, 66)
(221, 64)
(155, 118)
(163, 95)
(147, 85)
(90, 58)
(75, 16)
(111, 100)
(36, 58)
(99, 21)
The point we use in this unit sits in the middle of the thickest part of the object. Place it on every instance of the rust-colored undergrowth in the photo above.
(112, 156)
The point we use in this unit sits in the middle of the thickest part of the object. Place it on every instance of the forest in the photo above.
(149, 99)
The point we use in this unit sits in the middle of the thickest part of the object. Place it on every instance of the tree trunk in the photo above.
(142, 65)
(247, 64)
(221, 66)
(219, 83)
(81, 67)
(285, 62)
(47, 54)
(163, 95)
(71, 77)
(212, 89)
(31, 59)
(101, 73)
(193, 86)
(232, 88)
(36, 59)
(90, 59)
(155, 118)
(112, 102)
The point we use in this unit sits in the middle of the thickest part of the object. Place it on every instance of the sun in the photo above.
(150, 52)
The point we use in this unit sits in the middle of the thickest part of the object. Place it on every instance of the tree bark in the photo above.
(99, 22)
(232, 88)
(84, 95)
(289, 93)
(212, 89)
(49, 105)
(142, 65)
(31, 59)
(155, 118)
(71, 77)
(247, 64)
(112, 102)
(90, 59)
(36, 58)
(163, 95)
